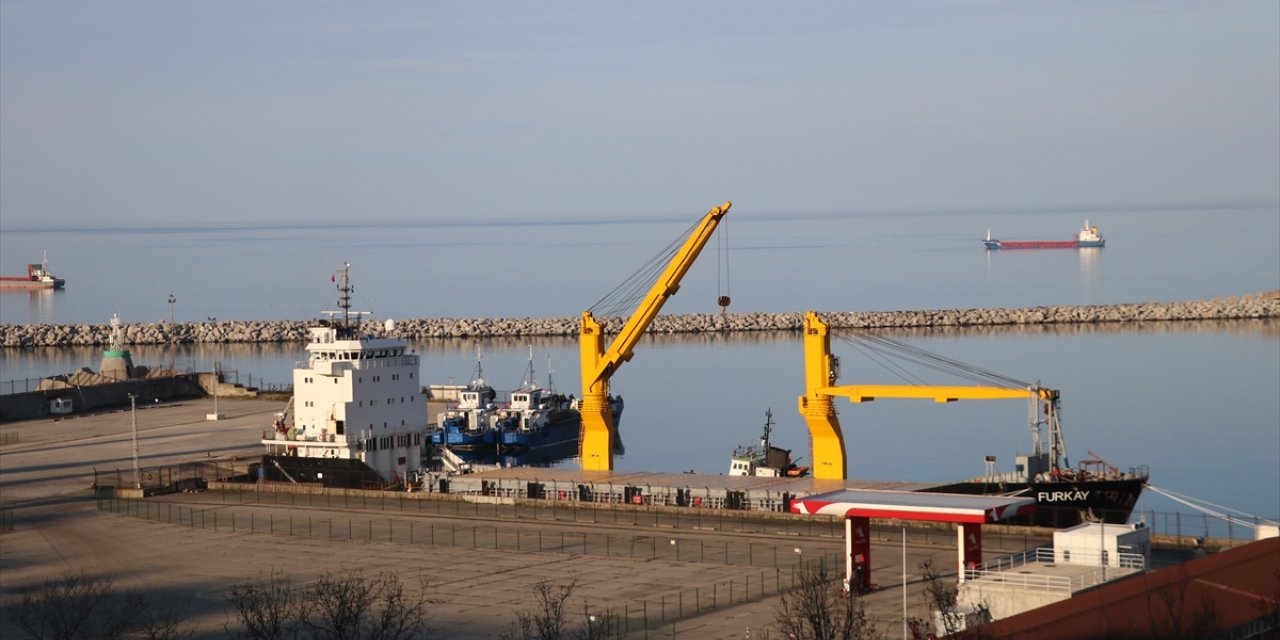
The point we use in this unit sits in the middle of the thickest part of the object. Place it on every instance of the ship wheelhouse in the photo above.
(356, 397)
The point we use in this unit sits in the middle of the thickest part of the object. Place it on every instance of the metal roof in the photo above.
(910, 505)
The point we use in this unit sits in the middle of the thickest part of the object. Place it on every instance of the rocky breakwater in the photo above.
(263, 331)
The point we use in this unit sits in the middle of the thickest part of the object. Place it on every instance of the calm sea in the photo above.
(1196, 402)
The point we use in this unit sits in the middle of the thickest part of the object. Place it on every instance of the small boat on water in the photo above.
(764, 460)
(468, 423)
(1087, 237)
(38, 277)
(537, 417)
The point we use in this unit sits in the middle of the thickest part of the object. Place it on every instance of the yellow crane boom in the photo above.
(599, 363)
(822, 369)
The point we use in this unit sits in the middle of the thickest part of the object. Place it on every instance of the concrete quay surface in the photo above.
(46, 473)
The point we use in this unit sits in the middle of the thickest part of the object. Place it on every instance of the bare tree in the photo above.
(546, 621)
(351, 606)
(1174, 615)
(940, 596)
(597, 625)
(269, 609)
(75, 605)
(152, 622)
(344, 606)
(817, 608)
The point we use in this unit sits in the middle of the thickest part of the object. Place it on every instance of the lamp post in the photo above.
(137, 471)
(172, 358)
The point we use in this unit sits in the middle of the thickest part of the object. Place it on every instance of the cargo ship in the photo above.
(1065, 495)
(1094, 491)
(38, 277)
(1087, 237)
(359, 414)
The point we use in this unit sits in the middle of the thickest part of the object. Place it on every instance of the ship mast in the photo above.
(344, 293)
(345, 327)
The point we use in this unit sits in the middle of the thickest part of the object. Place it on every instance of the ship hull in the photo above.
(1064, 503)
(562, 426)
(8, 282)
(465, 439)
(1043, 244)
(329, 472)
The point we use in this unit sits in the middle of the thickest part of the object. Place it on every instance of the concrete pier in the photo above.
(1265, 305)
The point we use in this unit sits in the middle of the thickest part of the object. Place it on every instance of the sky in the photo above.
(138, 113)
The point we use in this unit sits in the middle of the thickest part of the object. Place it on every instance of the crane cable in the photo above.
(887, 352)
(722, 297)
(1193, 503)
(631, 291)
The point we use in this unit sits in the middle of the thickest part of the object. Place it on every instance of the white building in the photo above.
(1082, 557)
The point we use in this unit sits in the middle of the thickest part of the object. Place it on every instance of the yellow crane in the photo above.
(822, 369)
(600, 363)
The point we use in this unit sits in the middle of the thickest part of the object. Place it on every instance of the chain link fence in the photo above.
(771, 568)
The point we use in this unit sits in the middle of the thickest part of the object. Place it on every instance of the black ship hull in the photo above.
(1063, 503)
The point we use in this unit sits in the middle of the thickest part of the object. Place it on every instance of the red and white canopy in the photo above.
(914, 505)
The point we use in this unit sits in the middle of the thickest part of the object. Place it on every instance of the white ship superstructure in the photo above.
(356, 397)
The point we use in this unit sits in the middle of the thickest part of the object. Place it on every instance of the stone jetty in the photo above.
(1266, 305)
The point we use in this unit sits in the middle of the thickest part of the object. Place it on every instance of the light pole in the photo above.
(137, 471)
(172, 358)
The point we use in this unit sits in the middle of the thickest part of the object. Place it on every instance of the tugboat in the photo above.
(537, 417)
(357, 408)
(1087, 237)
(764, 460)
(468, 424)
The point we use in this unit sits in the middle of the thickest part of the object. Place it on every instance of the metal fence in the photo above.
(188, 475)
(229, 376)
(772, 568)
(829, 528)
(20, 385)
(1200, 525)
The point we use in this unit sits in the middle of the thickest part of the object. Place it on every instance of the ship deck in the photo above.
(661, 483)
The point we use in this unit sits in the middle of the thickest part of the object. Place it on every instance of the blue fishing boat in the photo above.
(539, 417)
(468, 423)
